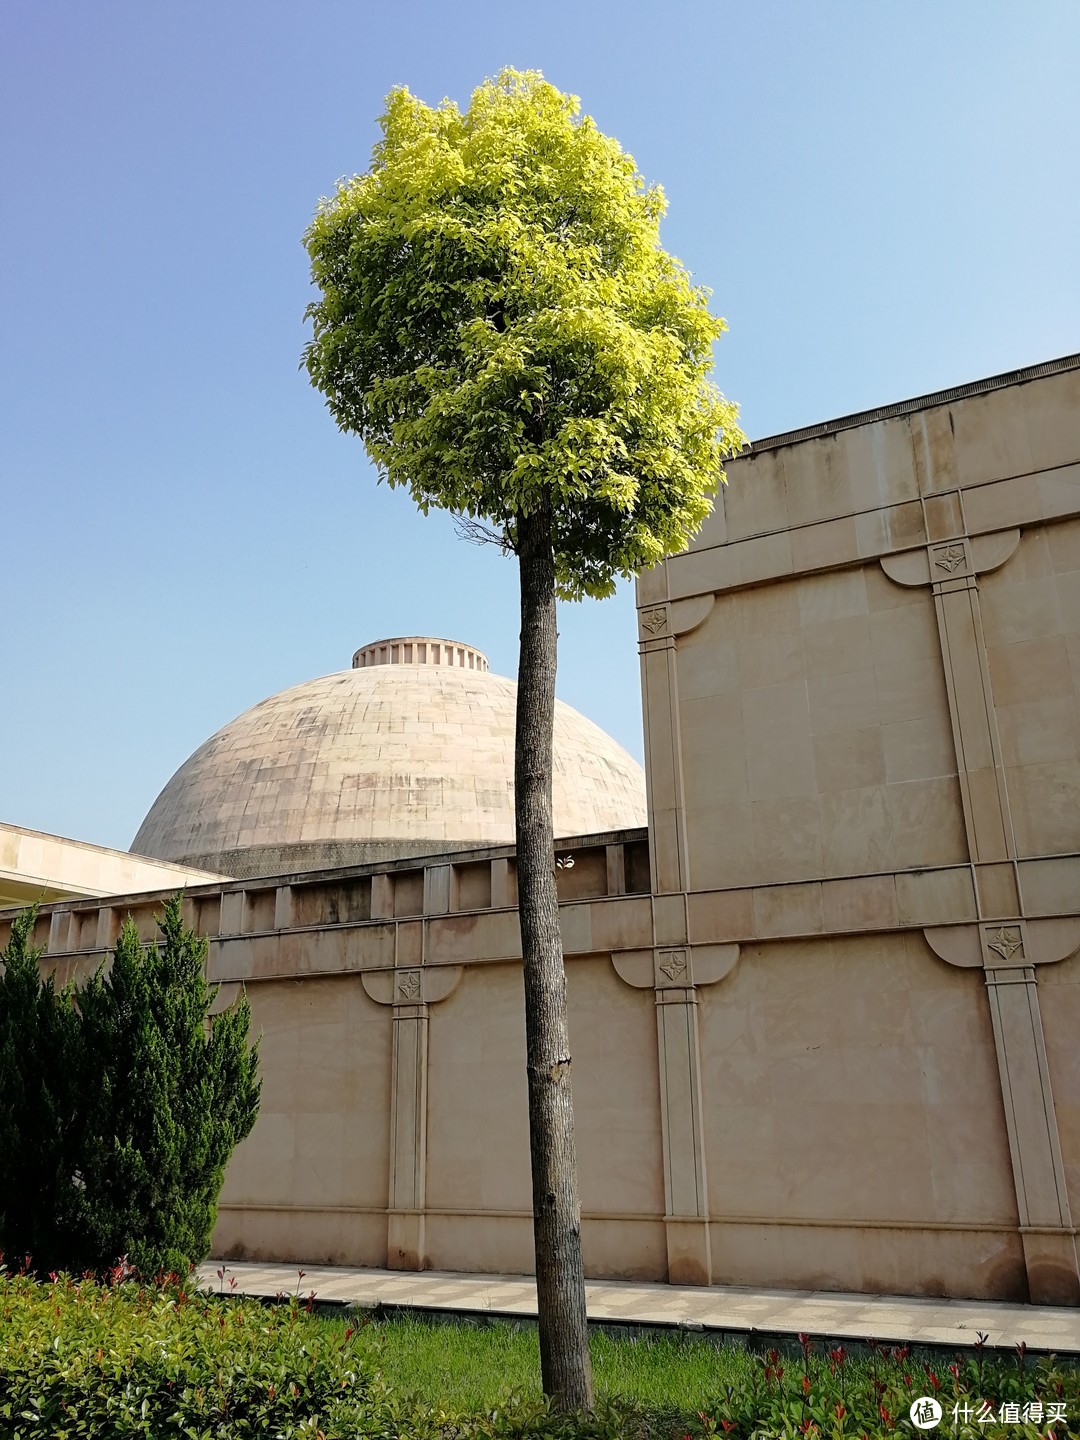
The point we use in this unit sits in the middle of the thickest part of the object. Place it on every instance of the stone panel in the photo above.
(720, 844)
(1049, 411)
(478, 1115)
(758, 505)
(616, 1096)
(1059, 988)
(1031, 611)
(989, 452)
(322, 1136)
(852, 1080)
(981, 1263)
(821, 743)
(1046, 807)
(485, 1245)
(306, 1236)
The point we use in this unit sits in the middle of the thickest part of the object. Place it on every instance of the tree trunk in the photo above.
(560, 1279)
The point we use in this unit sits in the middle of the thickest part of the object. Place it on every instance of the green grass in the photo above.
(667, 1380)
(474, 1367)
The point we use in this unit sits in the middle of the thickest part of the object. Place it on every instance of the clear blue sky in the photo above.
(883, 196)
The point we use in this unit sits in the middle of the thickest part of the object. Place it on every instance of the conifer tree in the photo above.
(126, 1100)
(177, 1094)
(41, 1082)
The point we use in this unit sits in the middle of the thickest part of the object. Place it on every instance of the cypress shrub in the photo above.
(41, 1085)
(126, 1100)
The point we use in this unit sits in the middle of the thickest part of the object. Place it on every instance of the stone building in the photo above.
(823, 1005)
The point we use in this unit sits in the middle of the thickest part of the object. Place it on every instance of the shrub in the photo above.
(42, 1085)
(84, 1360)
(125, 1102)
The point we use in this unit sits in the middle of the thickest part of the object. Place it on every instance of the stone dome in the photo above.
(410, 752)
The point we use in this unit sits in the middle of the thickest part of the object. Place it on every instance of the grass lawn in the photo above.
(686, 1384)
(477, 1367)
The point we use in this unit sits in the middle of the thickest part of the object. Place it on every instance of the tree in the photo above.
(41, 1093)
(178, 1092)
(126, 1101)
(500, 325)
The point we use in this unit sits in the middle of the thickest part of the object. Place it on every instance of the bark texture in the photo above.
(560, 1278)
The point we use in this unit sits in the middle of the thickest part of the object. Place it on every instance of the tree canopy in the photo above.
(499, 322)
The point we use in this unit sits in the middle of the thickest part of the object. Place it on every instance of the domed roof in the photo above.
(409, 752)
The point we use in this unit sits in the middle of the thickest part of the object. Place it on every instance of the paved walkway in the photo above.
(735, 1309)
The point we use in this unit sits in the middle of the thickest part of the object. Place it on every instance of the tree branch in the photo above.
(476, 533)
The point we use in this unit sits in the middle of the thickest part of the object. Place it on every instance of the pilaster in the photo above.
(951, 567)
(411, 988)
(659, 626)
(675, 974)
(405, 1249)
(674, 968)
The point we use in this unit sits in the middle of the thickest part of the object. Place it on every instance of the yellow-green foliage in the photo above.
(498, 317)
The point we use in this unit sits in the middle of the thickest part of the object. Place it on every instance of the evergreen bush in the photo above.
(120, 1104)
(42, 1082)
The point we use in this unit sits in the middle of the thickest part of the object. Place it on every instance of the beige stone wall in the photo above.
(878, 1059)
(816, 1110)
(863, 744)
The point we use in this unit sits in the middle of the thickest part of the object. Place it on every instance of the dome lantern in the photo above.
(419, 650)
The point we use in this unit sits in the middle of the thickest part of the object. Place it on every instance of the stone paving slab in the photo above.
(735, 1308)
